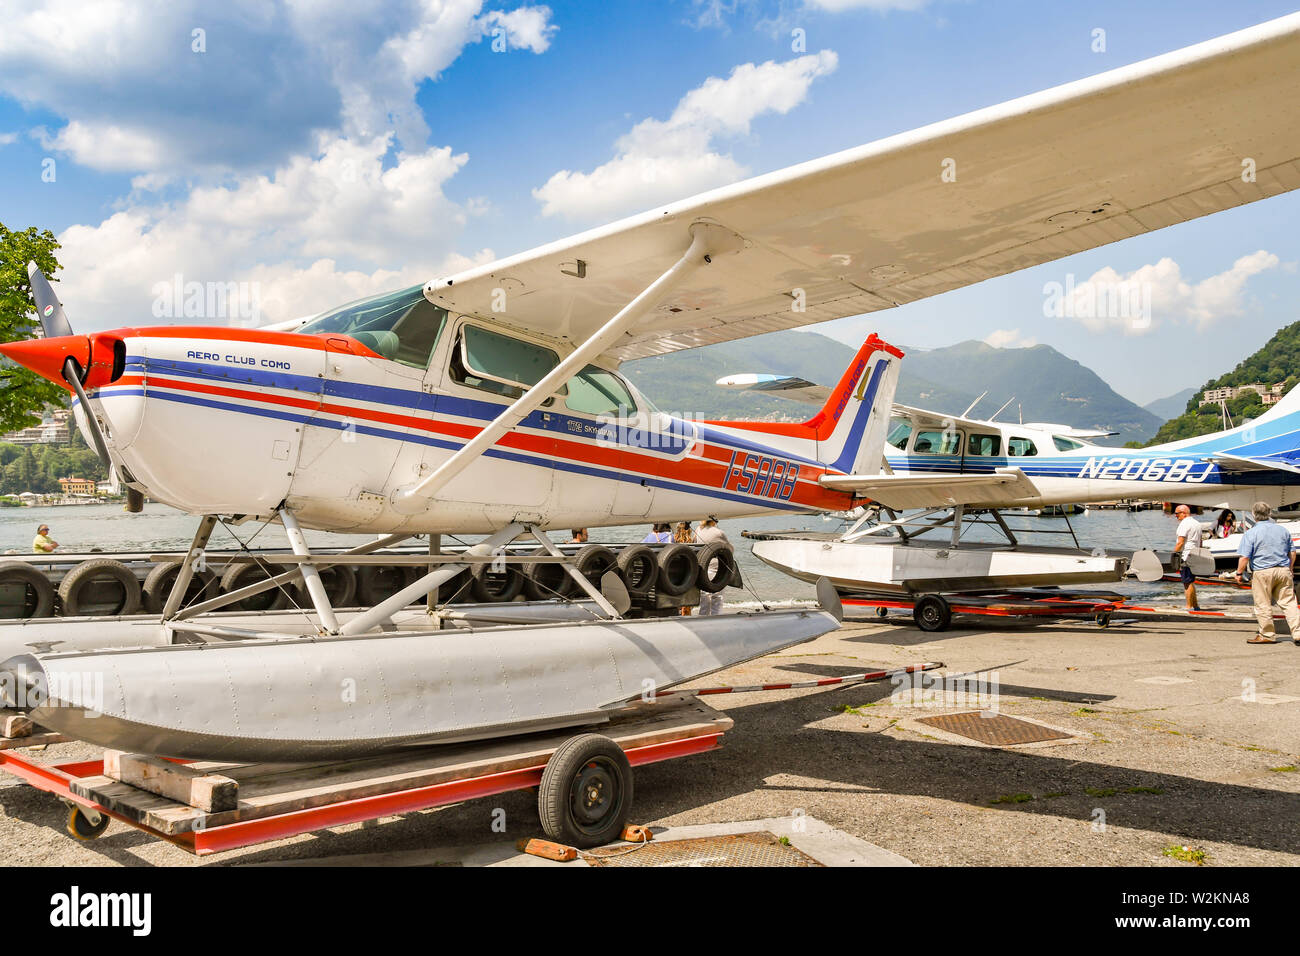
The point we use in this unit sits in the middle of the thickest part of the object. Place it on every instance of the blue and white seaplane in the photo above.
(490, 402)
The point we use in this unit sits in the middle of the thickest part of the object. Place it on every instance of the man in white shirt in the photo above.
(1189, 540)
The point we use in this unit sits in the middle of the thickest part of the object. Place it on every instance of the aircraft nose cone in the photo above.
(46, 357)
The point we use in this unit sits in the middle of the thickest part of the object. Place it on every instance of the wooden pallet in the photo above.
(175, 799)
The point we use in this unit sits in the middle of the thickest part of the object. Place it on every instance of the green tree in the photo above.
(23, 394)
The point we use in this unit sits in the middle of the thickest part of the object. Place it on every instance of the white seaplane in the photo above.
(490, 402)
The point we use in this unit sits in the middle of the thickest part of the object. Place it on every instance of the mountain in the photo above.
(1047, 385)
(1277, 361)
(1171, 406)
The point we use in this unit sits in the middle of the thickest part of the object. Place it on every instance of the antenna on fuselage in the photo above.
(971, 406)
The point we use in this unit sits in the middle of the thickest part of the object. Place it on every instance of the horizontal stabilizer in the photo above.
(782, 386)
(901, 492)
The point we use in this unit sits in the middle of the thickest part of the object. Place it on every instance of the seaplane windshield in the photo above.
(899, 434)
(595, 391)
(1065, 444)
(401, 326)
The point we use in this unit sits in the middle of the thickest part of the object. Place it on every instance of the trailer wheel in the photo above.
(1103, 620)
(586, 792)
(882, 612)
(24, 591)
(932, 613)
(81, 827)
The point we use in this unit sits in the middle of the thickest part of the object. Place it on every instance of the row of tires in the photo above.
(105, 587)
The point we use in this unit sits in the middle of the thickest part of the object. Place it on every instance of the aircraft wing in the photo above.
(937, 491)
(1237, 463)
(782, 386)
(925, 418)
(1145, 146)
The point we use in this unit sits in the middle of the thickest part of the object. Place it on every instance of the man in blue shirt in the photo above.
(1267, 549)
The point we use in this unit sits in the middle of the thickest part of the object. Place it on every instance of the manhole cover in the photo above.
(998, 730)
(737, 849)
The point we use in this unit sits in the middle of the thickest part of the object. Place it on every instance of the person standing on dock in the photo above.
(708, 533)
(43, 543)
(1189, 540)
(1268, 550)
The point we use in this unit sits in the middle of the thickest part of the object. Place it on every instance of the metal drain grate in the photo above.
(737, 849)
(998, 730)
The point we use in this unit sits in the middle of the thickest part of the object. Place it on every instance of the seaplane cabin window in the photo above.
(937, 443)
(595, 391)
(499, 363)
(984, 446)
(1065, 444)
(400, 326)
(1021, 447)
(899, 434)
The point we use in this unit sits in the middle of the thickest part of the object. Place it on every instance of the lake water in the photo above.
(160, 528)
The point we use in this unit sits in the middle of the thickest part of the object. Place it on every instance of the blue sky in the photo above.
(325, 150)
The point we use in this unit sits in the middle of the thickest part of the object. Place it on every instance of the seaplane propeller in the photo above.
(55, 324)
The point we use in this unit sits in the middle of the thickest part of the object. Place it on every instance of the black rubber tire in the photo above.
(726, 558)
(73, 588)
(377, 582)
(238, 576)
(81, 828)
(496, 587)
(38, 592)
(545, 582)
(586, 792)
(593, 561)
(158, 586)
(639, 569)
(882, 612)
(340, 586)
(932, 613)
(677, 569)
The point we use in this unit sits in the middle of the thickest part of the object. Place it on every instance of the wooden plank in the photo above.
(269, 789)
(14, 723)
(180, 782)
(38, 738)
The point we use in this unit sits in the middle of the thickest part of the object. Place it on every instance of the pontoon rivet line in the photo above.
(310, 574)
(706, 238)
(383, 611)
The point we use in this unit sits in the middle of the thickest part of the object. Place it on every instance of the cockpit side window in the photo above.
(1021, 447)
(499, 363)
(400, 326)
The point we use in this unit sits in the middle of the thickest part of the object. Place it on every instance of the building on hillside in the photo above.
(46, 433)
(1268, 394)
(77, 486)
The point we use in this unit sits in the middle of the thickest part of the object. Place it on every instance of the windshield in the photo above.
(402, 326)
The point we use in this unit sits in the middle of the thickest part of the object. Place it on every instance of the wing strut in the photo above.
(707, 240)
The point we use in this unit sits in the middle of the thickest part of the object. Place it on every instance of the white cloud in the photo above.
(1009, 339)
(8, 138)
(142, 91)
(660, 160)
(315, 233)
(1137, 302)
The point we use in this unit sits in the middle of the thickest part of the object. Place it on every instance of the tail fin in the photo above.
(851, 428)
(853, 425)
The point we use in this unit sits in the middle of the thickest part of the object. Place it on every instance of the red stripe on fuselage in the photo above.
(709, 472)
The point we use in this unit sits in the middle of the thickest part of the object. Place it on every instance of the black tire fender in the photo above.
(677, 569)
(639, 569)
(721, 552)
(158, 586)
(72, 589)
(38, 598)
